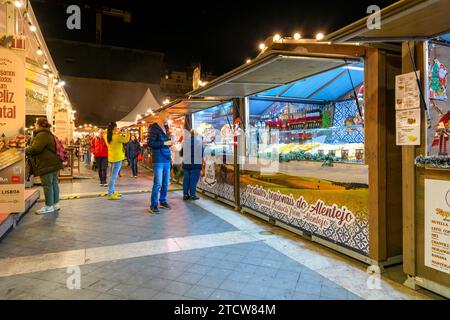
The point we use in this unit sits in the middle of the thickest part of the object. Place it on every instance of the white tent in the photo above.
(148, 102)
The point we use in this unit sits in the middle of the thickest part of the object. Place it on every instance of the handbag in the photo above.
(140, 158)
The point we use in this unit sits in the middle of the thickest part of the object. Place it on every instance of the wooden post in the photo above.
(375, 131)
(409, 184)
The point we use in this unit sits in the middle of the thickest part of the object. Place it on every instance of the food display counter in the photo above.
(215, 125)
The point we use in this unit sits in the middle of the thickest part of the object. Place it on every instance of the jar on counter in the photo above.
(359, 154)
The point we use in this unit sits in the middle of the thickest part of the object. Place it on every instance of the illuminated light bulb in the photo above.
(39, 52)
(61, 83)
(18, 4)
(276, 37)
(248, 61)
(45, 66)
(51, 75)
(319, 36)
(55, 81)
(262, 46)
(32, 28)
(297, 36)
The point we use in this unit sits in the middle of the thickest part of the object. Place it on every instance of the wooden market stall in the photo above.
(300, 165)
(423, 29)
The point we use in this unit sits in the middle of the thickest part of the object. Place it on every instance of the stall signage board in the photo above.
(12, 121)
(407, 106)
(62, 125)
(437, 225)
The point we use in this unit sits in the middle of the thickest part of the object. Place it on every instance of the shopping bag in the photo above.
(140, 158)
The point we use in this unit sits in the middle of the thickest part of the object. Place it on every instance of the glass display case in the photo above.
(215, 126)
(306, 132)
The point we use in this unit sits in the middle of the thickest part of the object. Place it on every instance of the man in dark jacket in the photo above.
(192, 154)
(159, 142)
(46, 164)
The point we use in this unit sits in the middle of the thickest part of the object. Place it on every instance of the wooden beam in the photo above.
(375, 126)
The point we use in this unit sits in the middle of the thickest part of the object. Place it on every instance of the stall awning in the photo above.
(268, 71)
(404, 20)
(188, 106)
(327, 86)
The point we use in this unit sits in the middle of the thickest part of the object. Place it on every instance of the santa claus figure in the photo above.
(441, 138)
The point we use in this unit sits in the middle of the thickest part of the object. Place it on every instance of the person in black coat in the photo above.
(133, 150)
(192, 154)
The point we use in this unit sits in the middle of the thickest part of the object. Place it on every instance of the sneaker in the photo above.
(56, 207)
(195, 198)
(45, 210)
(117, 194)
(113, 197)
(185, 198)
(154, 210)
(165, 205)
(105, 185)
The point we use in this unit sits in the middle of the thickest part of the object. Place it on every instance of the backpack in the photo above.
(61, 152)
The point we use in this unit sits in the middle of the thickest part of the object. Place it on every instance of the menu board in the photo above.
(12, 140)
(437, 225)
(407, 106)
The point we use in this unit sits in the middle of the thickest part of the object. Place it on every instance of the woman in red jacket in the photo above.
(100, 151)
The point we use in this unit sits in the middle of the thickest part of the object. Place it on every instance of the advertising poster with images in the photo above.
(437, 225)
(329, 205)
(438, 133)
(407, 106)
(12, 140)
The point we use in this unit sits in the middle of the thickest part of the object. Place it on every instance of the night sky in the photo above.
(220, 35)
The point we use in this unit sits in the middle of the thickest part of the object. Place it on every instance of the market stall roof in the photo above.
(401, 21)
(187, 106)
(148, 102)
(327, 86)
(270, 70)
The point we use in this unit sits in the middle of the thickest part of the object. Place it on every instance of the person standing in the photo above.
(115, 141)
(159, 142)
(133, 150)
(192, 154)
(45, 163)
(100, 151)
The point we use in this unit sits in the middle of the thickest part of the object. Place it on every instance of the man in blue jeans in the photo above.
(159, 141)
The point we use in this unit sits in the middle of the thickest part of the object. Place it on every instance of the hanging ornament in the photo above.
(438, 81)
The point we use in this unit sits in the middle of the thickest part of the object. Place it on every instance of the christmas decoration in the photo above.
(438, 81)
(441, 162)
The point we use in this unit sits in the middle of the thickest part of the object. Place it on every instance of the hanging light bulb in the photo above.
(32, 28)
(61, 83)
(39, 52)
(18, 4)
(55, 81)
(45, 66)
(319, 36)
(248, 61)
(276, 38)
(262, 46)
(297, 36)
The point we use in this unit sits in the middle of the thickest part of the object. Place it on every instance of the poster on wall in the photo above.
(439, 131)
(12, 140)
(407, 106)
(437, 225)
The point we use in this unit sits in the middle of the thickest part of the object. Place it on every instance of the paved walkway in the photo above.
(196, 250)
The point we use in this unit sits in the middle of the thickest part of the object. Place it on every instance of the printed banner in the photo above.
(12, 140)
(331, 210)
(437, 225)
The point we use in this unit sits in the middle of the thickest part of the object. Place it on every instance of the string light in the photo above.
(45, 66)
(276, 37)
(39, 52)
(32, 28)
(297, 36)
(319, 36)
(262, 46)
(18, 4)
(248, 61)
(61, 83)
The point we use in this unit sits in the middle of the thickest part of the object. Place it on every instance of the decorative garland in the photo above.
(440, 162)
(327, 160)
